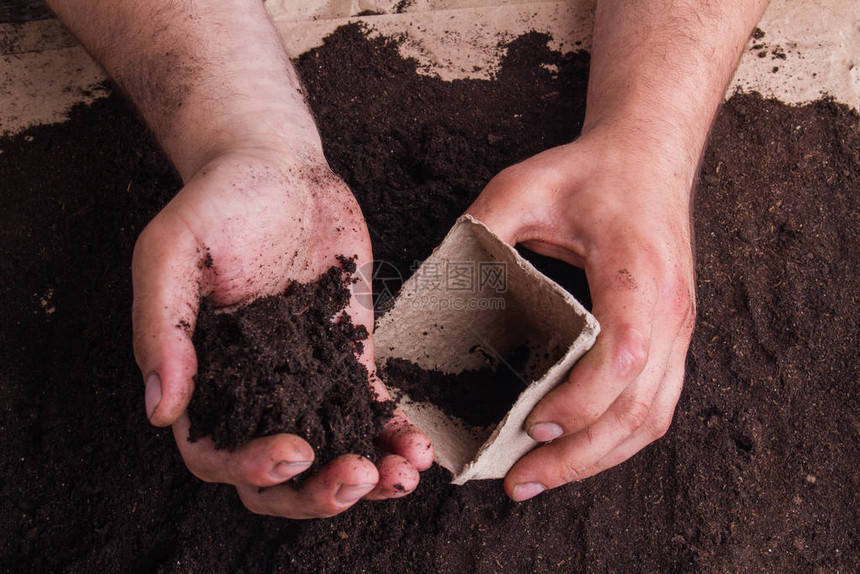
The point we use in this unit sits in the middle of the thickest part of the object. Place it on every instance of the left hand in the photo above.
(603, 204)
(265, 218)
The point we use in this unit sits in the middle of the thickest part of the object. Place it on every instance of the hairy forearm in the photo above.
(660, 69)
(206, 76)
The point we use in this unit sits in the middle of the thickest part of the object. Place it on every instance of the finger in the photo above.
(399, 436)
(624, 304)
(503, 220)
(336, 487)
(507, 204)
(261, 462)
(659, 418)
(166, 269)
(570, 458)
(405, 439)
(397, 477)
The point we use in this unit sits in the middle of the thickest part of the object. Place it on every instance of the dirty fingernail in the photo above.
(152, 394)
(349, 493)
(285, 470)
(399, 490)
(527, 490)
(543, 432)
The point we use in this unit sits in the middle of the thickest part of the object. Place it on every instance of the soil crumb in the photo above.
(281, 364)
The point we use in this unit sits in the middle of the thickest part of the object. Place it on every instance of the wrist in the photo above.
(199, 136)
(206, 77)
(657, 153)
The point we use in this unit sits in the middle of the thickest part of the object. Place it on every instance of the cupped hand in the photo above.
(623, 215)
(247, 224)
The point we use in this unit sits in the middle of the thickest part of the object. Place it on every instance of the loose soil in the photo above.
(758, 473)
(287, 364)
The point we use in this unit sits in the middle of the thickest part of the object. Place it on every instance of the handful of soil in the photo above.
(287, 364)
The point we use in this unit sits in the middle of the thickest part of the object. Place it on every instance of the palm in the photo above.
(263, 226)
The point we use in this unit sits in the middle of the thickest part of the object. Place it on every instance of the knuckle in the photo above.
(238, 469)
(510, 173)
(634, 415)
(326, 510)
(571, 472)
(201, 473)
(205, 470)
(631, 353)
(657, 427)
(682, 299)
(145, 238)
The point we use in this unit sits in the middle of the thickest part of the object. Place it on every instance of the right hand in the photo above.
(266, 218)
(605, 204)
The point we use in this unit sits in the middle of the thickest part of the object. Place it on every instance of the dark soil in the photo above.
(23, 10)
(480, 397)
(435, 144)
(282, 365)
(758, 473)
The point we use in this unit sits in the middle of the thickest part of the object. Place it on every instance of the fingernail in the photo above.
(527, 490)
(285, 470)
(349, 493)
(543, 432)
(399, 490)
(152, 393)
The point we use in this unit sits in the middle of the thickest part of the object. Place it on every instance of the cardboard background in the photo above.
(43, 71)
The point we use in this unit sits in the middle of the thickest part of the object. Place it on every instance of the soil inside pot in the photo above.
(480, 397)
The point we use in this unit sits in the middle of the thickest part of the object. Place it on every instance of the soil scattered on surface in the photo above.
(758, 472)
(287, 364)
(435, 144)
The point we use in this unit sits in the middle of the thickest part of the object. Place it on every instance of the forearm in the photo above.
(660, 70)
(206, 76)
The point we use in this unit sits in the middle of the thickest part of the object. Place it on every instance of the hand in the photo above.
(602, 204)
(266, 218)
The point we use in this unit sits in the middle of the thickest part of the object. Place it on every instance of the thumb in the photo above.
(167, 267)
